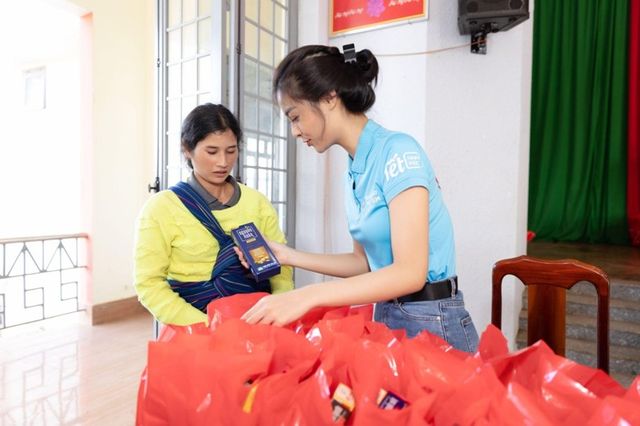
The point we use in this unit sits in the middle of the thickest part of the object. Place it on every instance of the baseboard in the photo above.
(116, 310)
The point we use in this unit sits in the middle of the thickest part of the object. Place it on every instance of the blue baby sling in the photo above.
(228, 276)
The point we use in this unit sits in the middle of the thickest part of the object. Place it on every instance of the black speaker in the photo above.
(490, 16)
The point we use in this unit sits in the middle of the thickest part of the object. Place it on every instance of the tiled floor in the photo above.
(65, 372)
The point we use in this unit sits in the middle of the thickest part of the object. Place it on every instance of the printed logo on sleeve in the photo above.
(398, 165)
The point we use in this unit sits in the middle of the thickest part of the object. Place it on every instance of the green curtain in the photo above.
(577, 176)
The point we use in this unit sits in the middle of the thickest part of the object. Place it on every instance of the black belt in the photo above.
(432, 291)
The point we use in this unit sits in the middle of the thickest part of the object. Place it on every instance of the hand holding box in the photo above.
(262, 262)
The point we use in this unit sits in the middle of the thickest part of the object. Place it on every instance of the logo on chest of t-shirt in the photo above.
(400, 164)
(370, 200)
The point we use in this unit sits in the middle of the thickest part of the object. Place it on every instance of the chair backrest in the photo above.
(547, 282)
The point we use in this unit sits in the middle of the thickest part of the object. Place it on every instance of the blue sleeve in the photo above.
(405, 165)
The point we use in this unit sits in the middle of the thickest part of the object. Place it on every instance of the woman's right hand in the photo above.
(280, 251)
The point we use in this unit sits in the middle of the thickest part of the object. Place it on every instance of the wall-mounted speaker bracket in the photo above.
(479, 43)
(479, 38)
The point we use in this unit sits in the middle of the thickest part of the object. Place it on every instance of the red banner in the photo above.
(349, 15)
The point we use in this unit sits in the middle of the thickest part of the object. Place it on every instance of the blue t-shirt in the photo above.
(385, 164)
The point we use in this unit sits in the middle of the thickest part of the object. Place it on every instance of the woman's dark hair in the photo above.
(310, 73)
(205, 119)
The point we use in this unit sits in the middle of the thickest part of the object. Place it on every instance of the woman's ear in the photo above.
(331, 100)
(187, 156)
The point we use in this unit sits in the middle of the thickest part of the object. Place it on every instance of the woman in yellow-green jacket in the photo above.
(184, 255)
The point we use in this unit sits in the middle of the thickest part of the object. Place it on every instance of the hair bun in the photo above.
(312, 72)
(368, 65)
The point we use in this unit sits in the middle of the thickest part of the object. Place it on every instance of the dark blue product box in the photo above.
(262, 263)
(390, 401)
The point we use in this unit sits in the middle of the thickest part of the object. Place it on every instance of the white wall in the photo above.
(39, 147)
(311, 209)
(121, 158)
(471, 112)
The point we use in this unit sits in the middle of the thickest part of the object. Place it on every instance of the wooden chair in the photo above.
(547, 282)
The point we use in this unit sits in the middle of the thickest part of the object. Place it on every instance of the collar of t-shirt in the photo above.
(365, 144)
(213, 202)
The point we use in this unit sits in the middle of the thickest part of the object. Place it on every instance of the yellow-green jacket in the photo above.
(172, 244)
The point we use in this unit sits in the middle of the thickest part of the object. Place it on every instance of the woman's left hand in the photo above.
(279, 309)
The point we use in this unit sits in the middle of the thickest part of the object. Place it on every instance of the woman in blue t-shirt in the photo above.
(403, 248)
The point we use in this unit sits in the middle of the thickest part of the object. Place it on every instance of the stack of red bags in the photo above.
(232, 373)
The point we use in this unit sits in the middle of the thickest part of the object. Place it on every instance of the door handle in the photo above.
(155, 187)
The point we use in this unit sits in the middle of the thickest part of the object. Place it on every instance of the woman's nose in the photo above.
(295, 131)
(223, 160)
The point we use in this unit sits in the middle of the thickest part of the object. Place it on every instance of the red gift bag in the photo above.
(235, 373)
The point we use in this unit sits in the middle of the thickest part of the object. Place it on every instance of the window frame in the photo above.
(227, 86)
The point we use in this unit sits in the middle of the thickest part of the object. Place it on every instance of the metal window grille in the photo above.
(225, 52)
(266, 35)
(43, 277)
